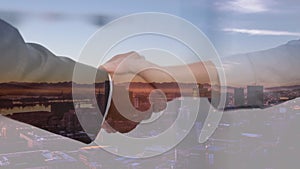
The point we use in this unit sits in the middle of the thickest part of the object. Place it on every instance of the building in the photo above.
(239, 97)
(255, 96)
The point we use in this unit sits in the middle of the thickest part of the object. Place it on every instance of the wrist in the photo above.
(141, 65)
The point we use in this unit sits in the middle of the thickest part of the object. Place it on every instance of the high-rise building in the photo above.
(255, 96)
(239, 97)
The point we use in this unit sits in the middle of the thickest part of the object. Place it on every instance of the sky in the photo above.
(233, 26)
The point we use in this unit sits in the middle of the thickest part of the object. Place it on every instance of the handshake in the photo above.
(144, 93)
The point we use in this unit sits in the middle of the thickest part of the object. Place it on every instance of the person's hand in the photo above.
(133, 63)
(128, 108)
(145, 97)
(124, 63)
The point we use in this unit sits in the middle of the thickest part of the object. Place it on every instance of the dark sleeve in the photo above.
(22, 61)
(39, 77)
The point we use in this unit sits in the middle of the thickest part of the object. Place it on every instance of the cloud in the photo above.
(245, 6)
(16, 17)
(262, 32)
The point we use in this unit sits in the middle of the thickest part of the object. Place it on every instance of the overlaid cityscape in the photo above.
(173, 84)
(246, 131)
